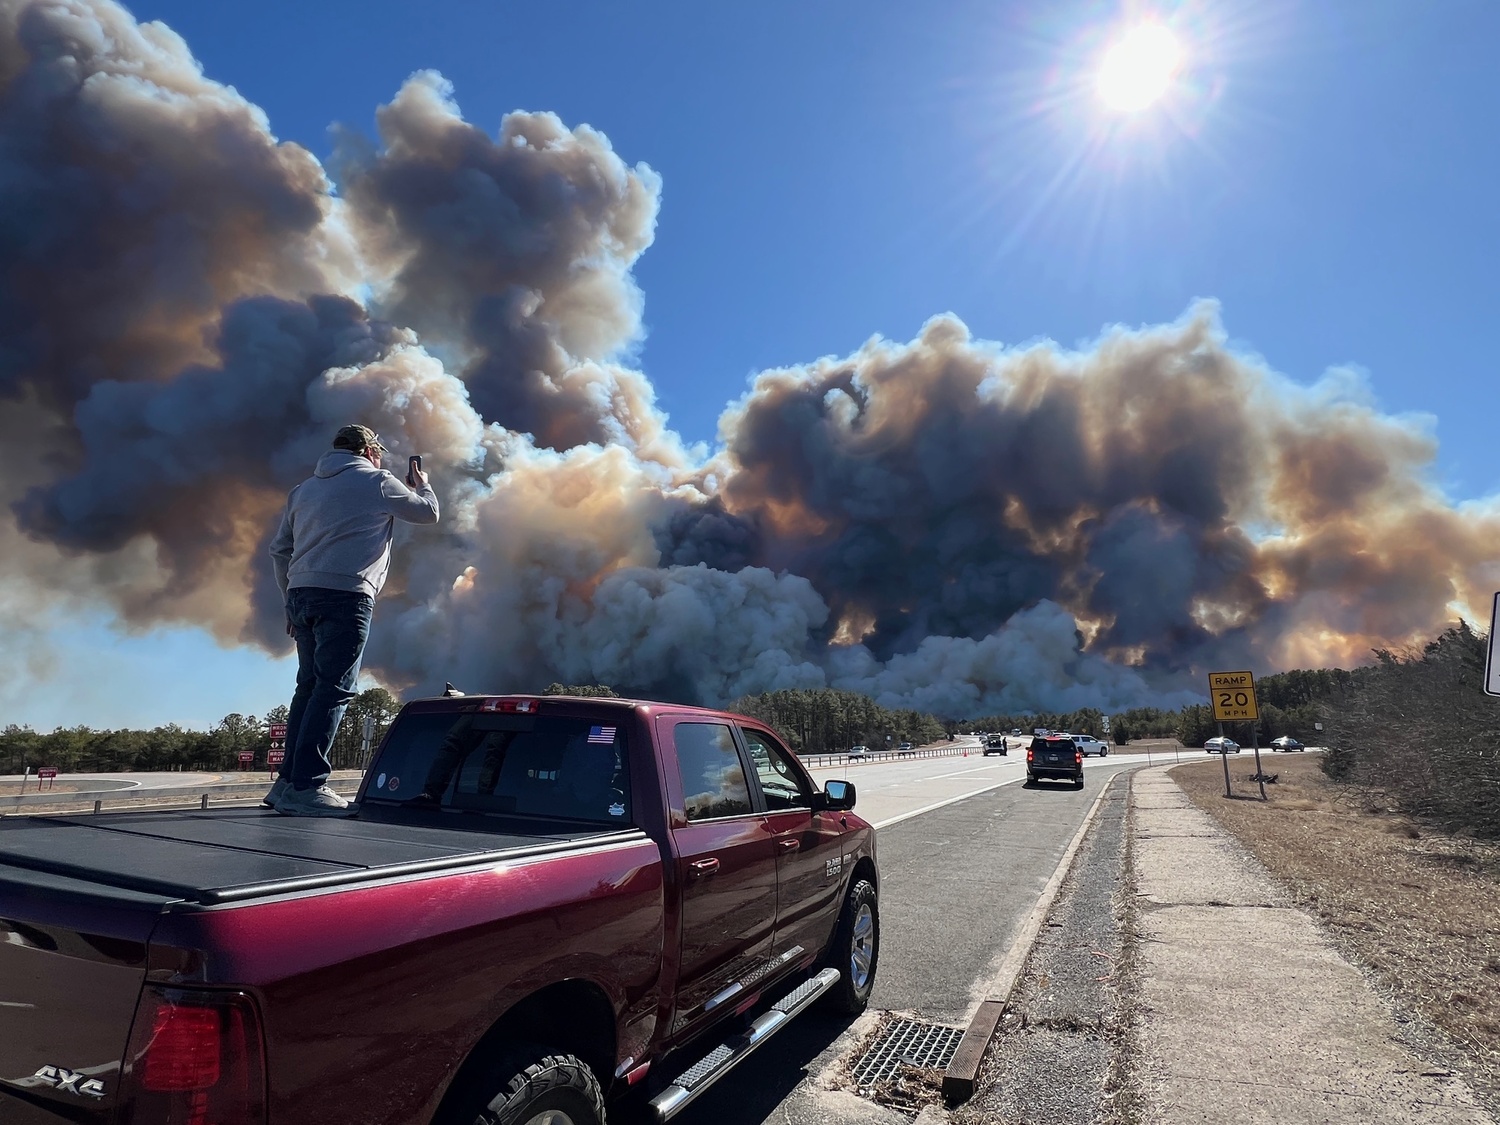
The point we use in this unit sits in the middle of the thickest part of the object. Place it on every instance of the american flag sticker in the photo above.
(604, 736)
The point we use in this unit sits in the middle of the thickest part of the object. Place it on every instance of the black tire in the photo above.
(856, 949)
(1104, 753)
(539, 1082)
(1078, 783)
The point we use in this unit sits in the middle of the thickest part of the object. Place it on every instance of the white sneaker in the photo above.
(321, 801)
(278, 788)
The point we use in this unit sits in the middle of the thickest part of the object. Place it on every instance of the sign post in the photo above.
(277, 753)
(246, 758)
(47, 774)
(1233, 698)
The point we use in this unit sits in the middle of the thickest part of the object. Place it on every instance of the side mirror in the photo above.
(837, 795)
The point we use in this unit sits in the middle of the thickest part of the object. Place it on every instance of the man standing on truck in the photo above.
(331, 556)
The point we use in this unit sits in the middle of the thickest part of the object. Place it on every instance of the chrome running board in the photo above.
(723, 1058)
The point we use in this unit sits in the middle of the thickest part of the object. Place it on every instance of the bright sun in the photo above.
(1138, 69)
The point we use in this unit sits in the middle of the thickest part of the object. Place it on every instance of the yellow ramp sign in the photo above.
(1233, 696)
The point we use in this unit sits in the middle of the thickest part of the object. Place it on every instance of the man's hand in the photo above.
(417, 479)
(289, 630)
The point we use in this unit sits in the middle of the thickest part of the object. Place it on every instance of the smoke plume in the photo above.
(190, 310)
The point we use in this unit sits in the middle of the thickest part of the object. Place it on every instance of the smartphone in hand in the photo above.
(413, 467)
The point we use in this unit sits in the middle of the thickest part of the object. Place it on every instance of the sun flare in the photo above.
(1139, 68)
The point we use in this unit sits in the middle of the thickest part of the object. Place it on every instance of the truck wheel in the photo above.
(544, 1090)
(856, 949)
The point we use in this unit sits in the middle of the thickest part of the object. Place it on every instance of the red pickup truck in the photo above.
(541, 905)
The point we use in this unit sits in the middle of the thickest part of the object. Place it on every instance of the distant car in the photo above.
(1090, 745)
(996, 744)
(905, 748)
(1055, 757)
(1286, 742)
(1015, 732)
(1222, 746)
(858, 751)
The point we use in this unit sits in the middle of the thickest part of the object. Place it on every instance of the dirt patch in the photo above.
(1414, 906)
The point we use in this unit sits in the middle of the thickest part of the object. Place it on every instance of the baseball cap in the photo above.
(357, 439)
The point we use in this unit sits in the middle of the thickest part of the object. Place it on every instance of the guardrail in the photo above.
(162, 797)
(955, 751)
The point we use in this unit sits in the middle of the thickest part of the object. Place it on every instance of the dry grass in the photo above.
(1416, 907)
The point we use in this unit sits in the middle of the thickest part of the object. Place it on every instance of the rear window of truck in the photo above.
(521, 765)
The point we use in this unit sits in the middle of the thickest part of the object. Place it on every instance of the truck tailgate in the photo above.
(72, 960)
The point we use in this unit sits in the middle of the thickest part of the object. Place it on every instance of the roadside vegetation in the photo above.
(1416, 731)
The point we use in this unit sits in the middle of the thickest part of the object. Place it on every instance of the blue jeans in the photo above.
(330, 627)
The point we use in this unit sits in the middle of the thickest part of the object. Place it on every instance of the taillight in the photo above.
(512, 706)
(1030, 754)
(184, 1052)
(196, 1058)
(1078, 757)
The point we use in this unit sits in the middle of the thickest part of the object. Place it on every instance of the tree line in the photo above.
(83, 749)
(828, 721)
(1290, 703)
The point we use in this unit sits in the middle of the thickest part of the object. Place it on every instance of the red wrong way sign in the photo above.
(246, 757)
(47, 773)
(275, 757)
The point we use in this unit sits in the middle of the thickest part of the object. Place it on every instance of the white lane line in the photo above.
(960, 773)
(947, 801)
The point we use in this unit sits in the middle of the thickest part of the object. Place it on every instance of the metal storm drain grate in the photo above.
(905, 1042)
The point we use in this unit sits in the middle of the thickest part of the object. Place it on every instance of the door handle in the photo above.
(789, 843)
(705, 866)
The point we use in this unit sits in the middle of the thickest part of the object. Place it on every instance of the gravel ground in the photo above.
(1055, 1056)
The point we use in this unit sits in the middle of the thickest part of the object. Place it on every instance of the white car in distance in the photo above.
(1090, 745)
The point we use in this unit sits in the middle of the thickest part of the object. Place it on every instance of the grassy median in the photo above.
(1417, 908)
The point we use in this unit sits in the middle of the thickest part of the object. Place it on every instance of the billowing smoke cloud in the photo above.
(138, 199)
(1187, 506)
(189, 311)
(515, 251)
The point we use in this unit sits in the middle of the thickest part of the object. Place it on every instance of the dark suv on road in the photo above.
(1055, 757)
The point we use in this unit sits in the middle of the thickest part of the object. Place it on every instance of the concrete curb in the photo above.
(963, 1071)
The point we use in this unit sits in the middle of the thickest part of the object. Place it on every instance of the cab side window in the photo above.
(713, 780)
(781, 782)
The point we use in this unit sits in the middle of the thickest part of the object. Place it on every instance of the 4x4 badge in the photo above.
(70, 1081)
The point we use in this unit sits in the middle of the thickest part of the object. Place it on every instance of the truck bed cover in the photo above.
(228, 855)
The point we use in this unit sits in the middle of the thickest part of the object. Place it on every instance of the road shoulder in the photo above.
(1243, 1011)
(1055, 1058)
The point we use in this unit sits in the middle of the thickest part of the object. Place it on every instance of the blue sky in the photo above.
(839, 170)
